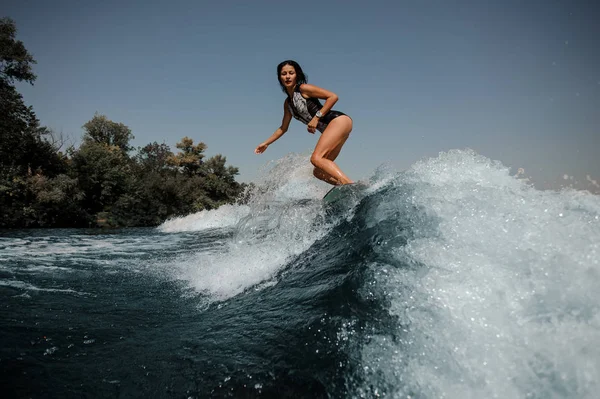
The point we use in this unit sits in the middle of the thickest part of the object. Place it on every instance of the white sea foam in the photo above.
(502, 298)
(277, 224)
(284, 180)
(222, 217)
(22, 285)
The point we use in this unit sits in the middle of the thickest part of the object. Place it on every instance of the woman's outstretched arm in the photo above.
(285, 123)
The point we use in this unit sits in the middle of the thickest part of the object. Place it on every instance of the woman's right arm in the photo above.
(285, 123)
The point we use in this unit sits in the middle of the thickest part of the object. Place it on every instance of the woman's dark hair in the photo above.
(300, 76)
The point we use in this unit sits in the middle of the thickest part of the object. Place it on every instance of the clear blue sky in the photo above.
(517, 81)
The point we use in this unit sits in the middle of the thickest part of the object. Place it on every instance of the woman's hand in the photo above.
(261, 148)
(312, 125)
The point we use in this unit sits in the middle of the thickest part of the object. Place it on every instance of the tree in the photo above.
(57, 202)
(102, 130)
(104, 174)
(98, 183)
(154, 157)
(220, 180)
(24, 150)
(216, 166)
(15, 117)
(15, 60)
(189, 160)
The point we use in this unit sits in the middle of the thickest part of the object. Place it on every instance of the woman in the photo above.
(303, 103)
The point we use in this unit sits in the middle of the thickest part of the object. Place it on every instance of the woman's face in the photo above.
(288, 76)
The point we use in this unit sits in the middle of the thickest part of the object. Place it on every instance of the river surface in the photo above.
(452, 279)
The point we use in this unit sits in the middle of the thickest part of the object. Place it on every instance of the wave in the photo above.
(466, 281)
(489, 282)
(220, 218)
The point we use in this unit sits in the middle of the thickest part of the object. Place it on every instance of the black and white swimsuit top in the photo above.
(304, 109)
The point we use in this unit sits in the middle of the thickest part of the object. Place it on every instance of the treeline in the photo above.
(103, 182)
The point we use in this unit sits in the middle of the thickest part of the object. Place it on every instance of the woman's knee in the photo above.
(316, 160)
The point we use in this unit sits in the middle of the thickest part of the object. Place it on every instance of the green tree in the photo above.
(15, 60)
(97, 183)
(220, 181)
(104, 174)
(57, 202)
(154, 157)
(24, 150)
(15, 117)
(189, 160)
(102, 130)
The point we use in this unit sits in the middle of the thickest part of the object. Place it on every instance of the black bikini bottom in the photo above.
(328, 117)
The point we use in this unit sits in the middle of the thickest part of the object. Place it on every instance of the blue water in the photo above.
(452, 279)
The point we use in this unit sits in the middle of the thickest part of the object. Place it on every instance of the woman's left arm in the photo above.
(320, 93)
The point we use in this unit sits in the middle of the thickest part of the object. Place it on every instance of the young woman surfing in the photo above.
(303, 103)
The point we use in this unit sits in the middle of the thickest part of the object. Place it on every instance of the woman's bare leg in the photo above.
(328, 148)
(327, 178)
